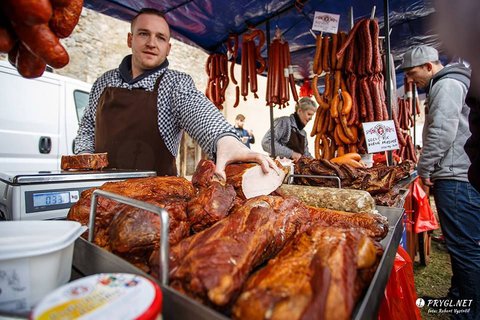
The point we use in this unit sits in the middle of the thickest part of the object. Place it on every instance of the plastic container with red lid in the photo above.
(103, 296)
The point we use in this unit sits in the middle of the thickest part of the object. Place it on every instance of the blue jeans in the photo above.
(458, 206)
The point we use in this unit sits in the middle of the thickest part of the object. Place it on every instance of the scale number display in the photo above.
(36, 201)
(50, 198)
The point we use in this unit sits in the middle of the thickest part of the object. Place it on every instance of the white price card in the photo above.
(380, 136)
(326, 22)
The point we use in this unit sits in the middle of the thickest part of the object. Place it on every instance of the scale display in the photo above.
(42, 200)
(50, 198)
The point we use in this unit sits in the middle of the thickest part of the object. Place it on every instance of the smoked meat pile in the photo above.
(227, 252)
(377, 180)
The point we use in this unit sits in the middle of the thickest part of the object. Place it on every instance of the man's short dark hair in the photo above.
(147, 11)
(240, 117)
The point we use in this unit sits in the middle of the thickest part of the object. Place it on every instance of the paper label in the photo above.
(101, 296)
(380, 136)
(15, 285)
(326, 22)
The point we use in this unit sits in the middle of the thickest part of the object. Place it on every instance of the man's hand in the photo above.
(296, 156)
(250, 133)
(426, 182)
(230, 149)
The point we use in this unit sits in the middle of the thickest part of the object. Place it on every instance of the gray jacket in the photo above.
(282, 128)
(446, 126)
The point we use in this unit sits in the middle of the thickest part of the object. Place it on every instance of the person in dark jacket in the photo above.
(290, 139)
(443, 165)
(246, 136)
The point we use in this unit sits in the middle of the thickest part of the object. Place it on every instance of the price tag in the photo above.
(380, 136)
(326, 22)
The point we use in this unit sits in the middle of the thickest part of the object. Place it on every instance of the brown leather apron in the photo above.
(126, 127)
(296, 141)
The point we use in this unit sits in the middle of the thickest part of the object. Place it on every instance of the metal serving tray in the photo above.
(90, 259)
(367, 308)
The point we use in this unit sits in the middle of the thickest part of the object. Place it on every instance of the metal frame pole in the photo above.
(386, 18)
(272, 129)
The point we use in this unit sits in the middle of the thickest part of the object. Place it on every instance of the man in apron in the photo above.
(290, 136)
(137, 112)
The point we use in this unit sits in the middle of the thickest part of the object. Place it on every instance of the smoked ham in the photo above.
(204, 174)
(249, 180)
(375, 225)
(90, 161)
(210, 205)
(171, 193)
(212, 265)
(315, 276)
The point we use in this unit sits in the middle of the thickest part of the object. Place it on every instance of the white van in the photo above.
(38, 119)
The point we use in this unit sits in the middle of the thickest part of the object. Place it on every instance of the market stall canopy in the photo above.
(208, 23)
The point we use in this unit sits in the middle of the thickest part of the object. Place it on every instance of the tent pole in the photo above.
(272, 129)
(414, 112)
(386, 26)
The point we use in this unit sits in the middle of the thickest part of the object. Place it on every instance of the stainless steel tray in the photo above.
(89, 259)
(367, 308)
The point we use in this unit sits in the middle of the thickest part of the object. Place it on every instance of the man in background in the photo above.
(246, 136)
(443, 166)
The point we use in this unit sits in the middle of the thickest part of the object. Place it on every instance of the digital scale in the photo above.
(50, 194)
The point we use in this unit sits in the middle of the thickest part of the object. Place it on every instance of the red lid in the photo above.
(156, 307)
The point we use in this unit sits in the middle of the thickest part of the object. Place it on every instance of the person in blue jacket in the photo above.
(246, 136)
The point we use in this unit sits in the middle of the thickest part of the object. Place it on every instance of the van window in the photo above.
(81, 102)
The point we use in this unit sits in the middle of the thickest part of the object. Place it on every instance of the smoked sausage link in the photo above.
(60, 3)
(7, 40)
(28, 12)
(65, 18)
(29, 65)
(42, 42)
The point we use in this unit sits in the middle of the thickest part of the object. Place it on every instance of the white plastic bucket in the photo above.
(35, 258)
